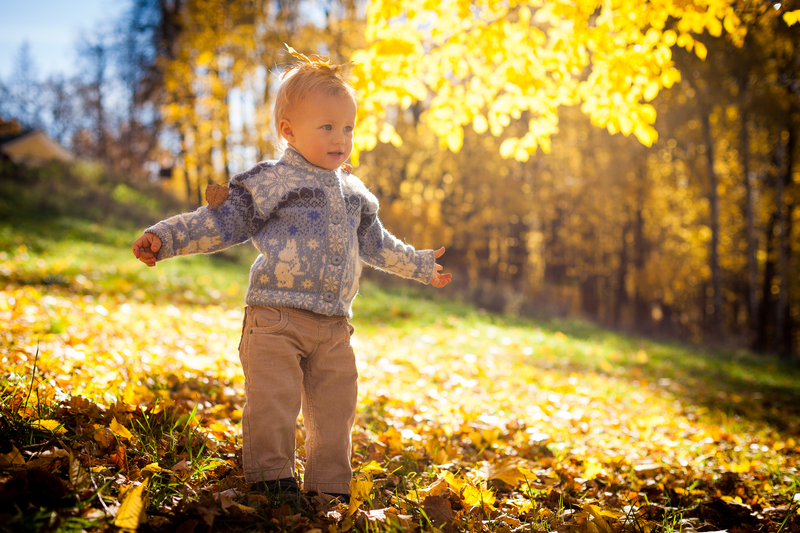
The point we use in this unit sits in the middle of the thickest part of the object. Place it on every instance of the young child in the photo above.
(314, 223)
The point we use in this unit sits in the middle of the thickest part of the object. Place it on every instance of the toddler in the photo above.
(313, 223)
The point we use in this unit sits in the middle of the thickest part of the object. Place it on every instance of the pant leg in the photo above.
(270, 356)
(330, 393)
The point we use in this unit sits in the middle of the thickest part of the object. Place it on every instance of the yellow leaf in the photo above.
(731, 22)
(506, 470)
(131, 511)
(455, 139)
(476, 497)
(434, 489)
(599, 520)
(153, 468)
(647, 135)
(479, 124)
(205, 58)
(360, 488)
(393, 440)
(455, 483)
(593, 468)
(508, 147)
(625, 124)
(791, 17)
(119, 430)
(51, 425)
(372, 467)
(700, 49)
(651, 91)
(685, 41)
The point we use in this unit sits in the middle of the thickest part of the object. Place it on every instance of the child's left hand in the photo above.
(439, 280)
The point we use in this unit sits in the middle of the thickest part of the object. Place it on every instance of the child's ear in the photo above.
(285, 129)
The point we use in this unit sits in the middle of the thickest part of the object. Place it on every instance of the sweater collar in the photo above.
(295, 159)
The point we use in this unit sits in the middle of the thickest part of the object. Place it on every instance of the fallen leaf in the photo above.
(50, 425)
(506, 470)
(371, 467)
(360, 488)
(12, 458)
(119, 430)
(131, 511)
(78, 476)
(103, 435)
(593, 468)
(439, 510)
(119, 458)
(46, 457)
(182, 470)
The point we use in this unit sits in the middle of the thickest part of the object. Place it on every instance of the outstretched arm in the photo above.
(439, 280)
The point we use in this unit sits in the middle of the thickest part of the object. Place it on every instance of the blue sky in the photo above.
(51, 28)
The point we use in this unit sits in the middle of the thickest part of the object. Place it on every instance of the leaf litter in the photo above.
(119, 411)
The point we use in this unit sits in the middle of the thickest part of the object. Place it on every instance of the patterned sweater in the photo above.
(313, 228)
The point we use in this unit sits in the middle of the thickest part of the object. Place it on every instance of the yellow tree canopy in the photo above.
(488, 62)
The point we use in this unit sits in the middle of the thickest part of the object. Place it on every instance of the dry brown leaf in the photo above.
(216, 195)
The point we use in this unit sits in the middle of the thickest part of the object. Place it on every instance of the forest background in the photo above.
(663, 198)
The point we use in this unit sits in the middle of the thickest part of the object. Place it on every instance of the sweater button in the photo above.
(336, 218)
(329, 181)
(329, 296)
(336, 260)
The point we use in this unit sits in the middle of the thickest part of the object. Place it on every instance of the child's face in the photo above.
(321, 129)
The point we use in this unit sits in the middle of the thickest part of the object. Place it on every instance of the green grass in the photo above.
(95, 258)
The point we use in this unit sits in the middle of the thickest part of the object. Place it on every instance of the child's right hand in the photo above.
(146, 247)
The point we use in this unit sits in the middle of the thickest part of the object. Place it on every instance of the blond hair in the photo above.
(313, 74)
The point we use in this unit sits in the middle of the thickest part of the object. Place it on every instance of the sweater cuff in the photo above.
(167, 249)
(426, 266)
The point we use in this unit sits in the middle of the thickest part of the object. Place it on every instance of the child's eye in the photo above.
(348, 129)
(327, 127)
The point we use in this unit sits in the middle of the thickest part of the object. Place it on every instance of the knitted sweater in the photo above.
(313, 228)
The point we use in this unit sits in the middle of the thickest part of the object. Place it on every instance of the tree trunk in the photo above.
(781, 304)
(621, 291)
(762, 342)
(749, 208)
(640, 304)
(713, 200)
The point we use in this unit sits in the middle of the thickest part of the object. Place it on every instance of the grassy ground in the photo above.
(122, 399)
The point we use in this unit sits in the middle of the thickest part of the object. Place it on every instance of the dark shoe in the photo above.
(286, 488)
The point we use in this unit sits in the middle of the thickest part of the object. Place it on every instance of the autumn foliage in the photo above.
(632, 163)
(468, 421)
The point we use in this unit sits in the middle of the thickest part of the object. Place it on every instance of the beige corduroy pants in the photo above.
(293, 358)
